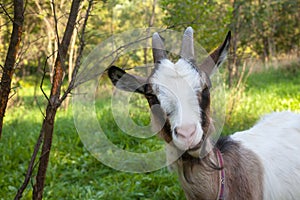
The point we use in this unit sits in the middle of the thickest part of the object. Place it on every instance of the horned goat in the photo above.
(260, 163)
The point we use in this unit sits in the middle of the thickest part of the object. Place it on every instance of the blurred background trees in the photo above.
(265, 30)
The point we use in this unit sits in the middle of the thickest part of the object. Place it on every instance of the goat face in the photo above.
(180, 89)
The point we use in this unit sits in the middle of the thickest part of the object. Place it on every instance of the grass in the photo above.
(268, 91)
(75, 174)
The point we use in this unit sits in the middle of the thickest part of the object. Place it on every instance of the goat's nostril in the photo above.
(180, 133)
(175, 132)
(185, 131)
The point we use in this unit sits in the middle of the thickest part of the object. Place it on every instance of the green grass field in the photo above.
(74, 173)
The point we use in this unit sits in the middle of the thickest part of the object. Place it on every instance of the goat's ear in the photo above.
(125, 81)
(217, 57)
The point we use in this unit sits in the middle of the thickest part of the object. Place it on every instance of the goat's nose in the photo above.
(185, 131)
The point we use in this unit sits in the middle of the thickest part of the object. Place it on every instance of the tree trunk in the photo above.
(10, 61)
(72, 59)
(54, 102)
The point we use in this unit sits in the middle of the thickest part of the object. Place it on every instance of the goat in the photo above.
(259, 163)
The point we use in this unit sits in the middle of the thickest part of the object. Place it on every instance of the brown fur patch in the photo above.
(159, 116)
(243, 173)
(243, 169)
(204, 102)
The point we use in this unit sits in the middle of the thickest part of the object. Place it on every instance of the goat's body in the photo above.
(260, 163)
(276, 142)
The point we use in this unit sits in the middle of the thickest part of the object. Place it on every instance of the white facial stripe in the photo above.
(176, 86)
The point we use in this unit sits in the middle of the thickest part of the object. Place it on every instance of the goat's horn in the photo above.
(158, 48)
(187, 48)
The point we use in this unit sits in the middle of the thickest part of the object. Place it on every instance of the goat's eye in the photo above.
(169, 113)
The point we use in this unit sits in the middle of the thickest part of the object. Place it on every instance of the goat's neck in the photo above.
(199, 180)
(243, 174)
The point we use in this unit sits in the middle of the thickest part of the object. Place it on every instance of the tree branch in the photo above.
(6, 13)
(56, 27)
(30, 167)
(54, 102)
(78, 59)
(43, 78)
(118, 51)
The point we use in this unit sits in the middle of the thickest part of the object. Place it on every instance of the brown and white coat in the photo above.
(260, 163)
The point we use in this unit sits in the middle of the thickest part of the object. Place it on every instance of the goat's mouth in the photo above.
(197, 147)
(195, 150)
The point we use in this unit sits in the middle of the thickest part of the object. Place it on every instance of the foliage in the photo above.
(39, 41)
(261, 29)
(210, 19)
(268, 27)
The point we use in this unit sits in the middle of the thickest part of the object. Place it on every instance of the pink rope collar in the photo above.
(221, 175)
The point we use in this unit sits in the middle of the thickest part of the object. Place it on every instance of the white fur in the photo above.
(176, 86)
(276, 141)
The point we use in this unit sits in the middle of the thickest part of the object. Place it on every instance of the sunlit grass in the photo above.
(74, 173)
(265, 92)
